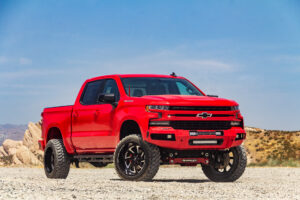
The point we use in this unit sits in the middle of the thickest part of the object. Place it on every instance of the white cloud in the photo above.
(287, 58)
(21, 60)
(28, 73)
(25, 61)
(213, 65)
(159, 62)
(3, 59)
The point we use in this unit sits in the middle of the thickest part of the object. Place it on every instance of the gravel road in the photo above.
(169, 183)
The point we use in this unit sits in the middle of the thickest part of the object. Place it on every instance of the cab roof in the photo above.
(134, 75)
(145, 75)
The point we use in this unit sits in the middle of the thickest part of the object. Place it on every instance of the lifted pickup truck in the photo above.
(139, 122)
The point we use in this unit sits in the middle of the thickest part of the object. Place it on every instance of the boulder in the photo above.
(26, 156)
(2, 152)
(24, 152)
(10, 146)
(32, 136)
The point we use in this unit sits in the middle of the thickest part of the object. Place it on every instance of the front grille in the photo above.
(202, 108)
(200, 125)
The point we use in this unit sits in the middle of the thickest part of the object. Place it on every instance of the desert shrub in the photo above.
(7, 160)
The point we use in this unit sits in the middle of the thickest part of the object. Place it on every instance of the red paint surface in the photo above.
(96, 128)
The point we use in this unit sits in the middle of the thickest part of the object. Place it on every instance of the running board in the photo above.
(95, 158)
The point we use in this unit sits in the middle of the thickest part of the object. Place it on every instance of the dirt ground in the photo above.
(169, 183)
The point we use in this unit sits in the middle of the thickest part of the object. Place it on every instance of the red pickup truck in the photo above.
(139, 122)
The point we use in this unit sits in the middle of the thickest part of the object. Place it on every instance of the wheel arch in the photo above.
(53, 133)
(129, 127)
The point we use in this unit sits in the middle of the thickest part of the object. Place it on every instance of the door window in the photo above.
(94, 89)
(111, 87)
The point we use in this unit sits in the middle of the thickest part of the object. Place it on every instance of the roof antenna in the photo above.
(173, 74)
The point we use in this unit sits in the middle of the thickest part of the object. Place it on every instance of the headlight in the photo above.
(235, 108)
(156, 107)
(159, 123)
(235, 123)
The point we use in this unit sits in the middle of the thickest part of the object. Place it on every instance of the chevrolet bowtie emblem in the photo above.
(204, 115)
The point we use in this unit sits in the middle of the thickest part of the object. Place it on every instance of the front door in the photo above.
(92, 120)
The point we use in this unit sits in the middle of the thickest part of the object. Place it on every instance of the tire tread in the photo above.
(62, 164)
(236, 174)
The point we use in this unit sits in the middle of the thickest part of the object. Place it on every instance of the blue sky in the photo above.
(248, 51)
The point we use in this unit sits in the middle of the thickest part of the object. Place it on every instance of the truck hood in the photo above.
(187, 100)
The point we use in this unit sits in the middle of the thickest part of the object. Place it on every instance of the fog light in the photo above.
(239, 136)
(218, 133)
(193, 133)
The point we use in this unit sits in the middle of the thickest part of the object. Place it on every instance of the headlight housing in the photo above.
(156, 108)
(236, 123)
(235, 107)
(159, 123)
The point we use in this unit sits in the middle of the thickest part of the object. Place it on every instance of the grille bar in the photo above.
(202, 108)
(200, 125)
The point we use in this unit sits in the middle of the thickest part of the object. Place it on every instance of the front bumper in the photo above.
(183, 140)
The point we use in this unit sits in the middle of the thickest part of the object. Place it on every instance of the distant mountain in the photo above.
(11, 131)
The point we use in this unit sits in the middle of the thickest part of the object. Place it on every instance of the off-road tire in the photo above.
(60, 167)
(98, 164)
(152, 159)
(233, 174)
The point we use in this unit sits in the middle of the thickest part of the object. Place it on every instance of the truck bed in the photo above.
(61, 118)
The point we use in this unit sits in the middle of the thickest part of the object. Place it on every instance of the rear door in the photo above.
(92, 120)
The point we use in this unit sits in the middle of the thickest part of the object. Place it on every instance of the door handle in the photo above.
(97, 112)
(75, 114)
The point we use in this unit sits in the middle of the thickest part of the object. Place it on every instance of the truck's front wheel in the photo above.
(136, 160)
(226, 166)
(56, 160)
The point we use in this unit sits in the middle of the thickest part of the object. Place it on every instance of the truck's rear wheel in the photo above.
(136, 160)
(227, 166)
(56, 160)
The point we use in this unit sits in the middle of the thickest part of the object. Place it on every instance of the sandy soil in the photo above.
(169, 183)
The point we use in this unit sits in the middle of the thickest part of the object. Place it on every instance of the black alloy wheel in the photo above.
(136, 159)
(226, 166)
(133, 158)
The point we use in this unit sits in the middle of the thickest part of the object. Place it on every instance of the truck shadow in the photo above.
(180, 180)
(173, 180)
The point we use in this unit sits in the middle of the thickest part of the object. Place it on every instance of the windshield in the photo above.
(142, 86)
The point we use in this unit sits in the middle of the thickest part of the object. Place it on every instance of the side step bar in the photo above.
(106, 158)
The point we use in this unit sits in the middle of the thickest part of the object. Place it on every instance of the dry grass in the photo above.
(273, 148)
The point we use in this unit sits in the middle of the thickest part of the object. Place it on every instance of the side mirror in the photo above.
(107, 98)
(209, 95)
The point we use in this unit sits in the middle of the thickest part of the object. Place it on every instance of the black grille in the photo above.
(202, 108)
(200, 125)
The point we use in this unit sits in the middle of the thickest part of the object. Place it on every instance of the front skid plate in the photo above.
(189, 161)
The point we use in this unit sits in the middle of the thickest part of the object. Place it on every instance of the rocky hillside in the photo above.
(269, 147)
(25, 152)
(264, 147)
